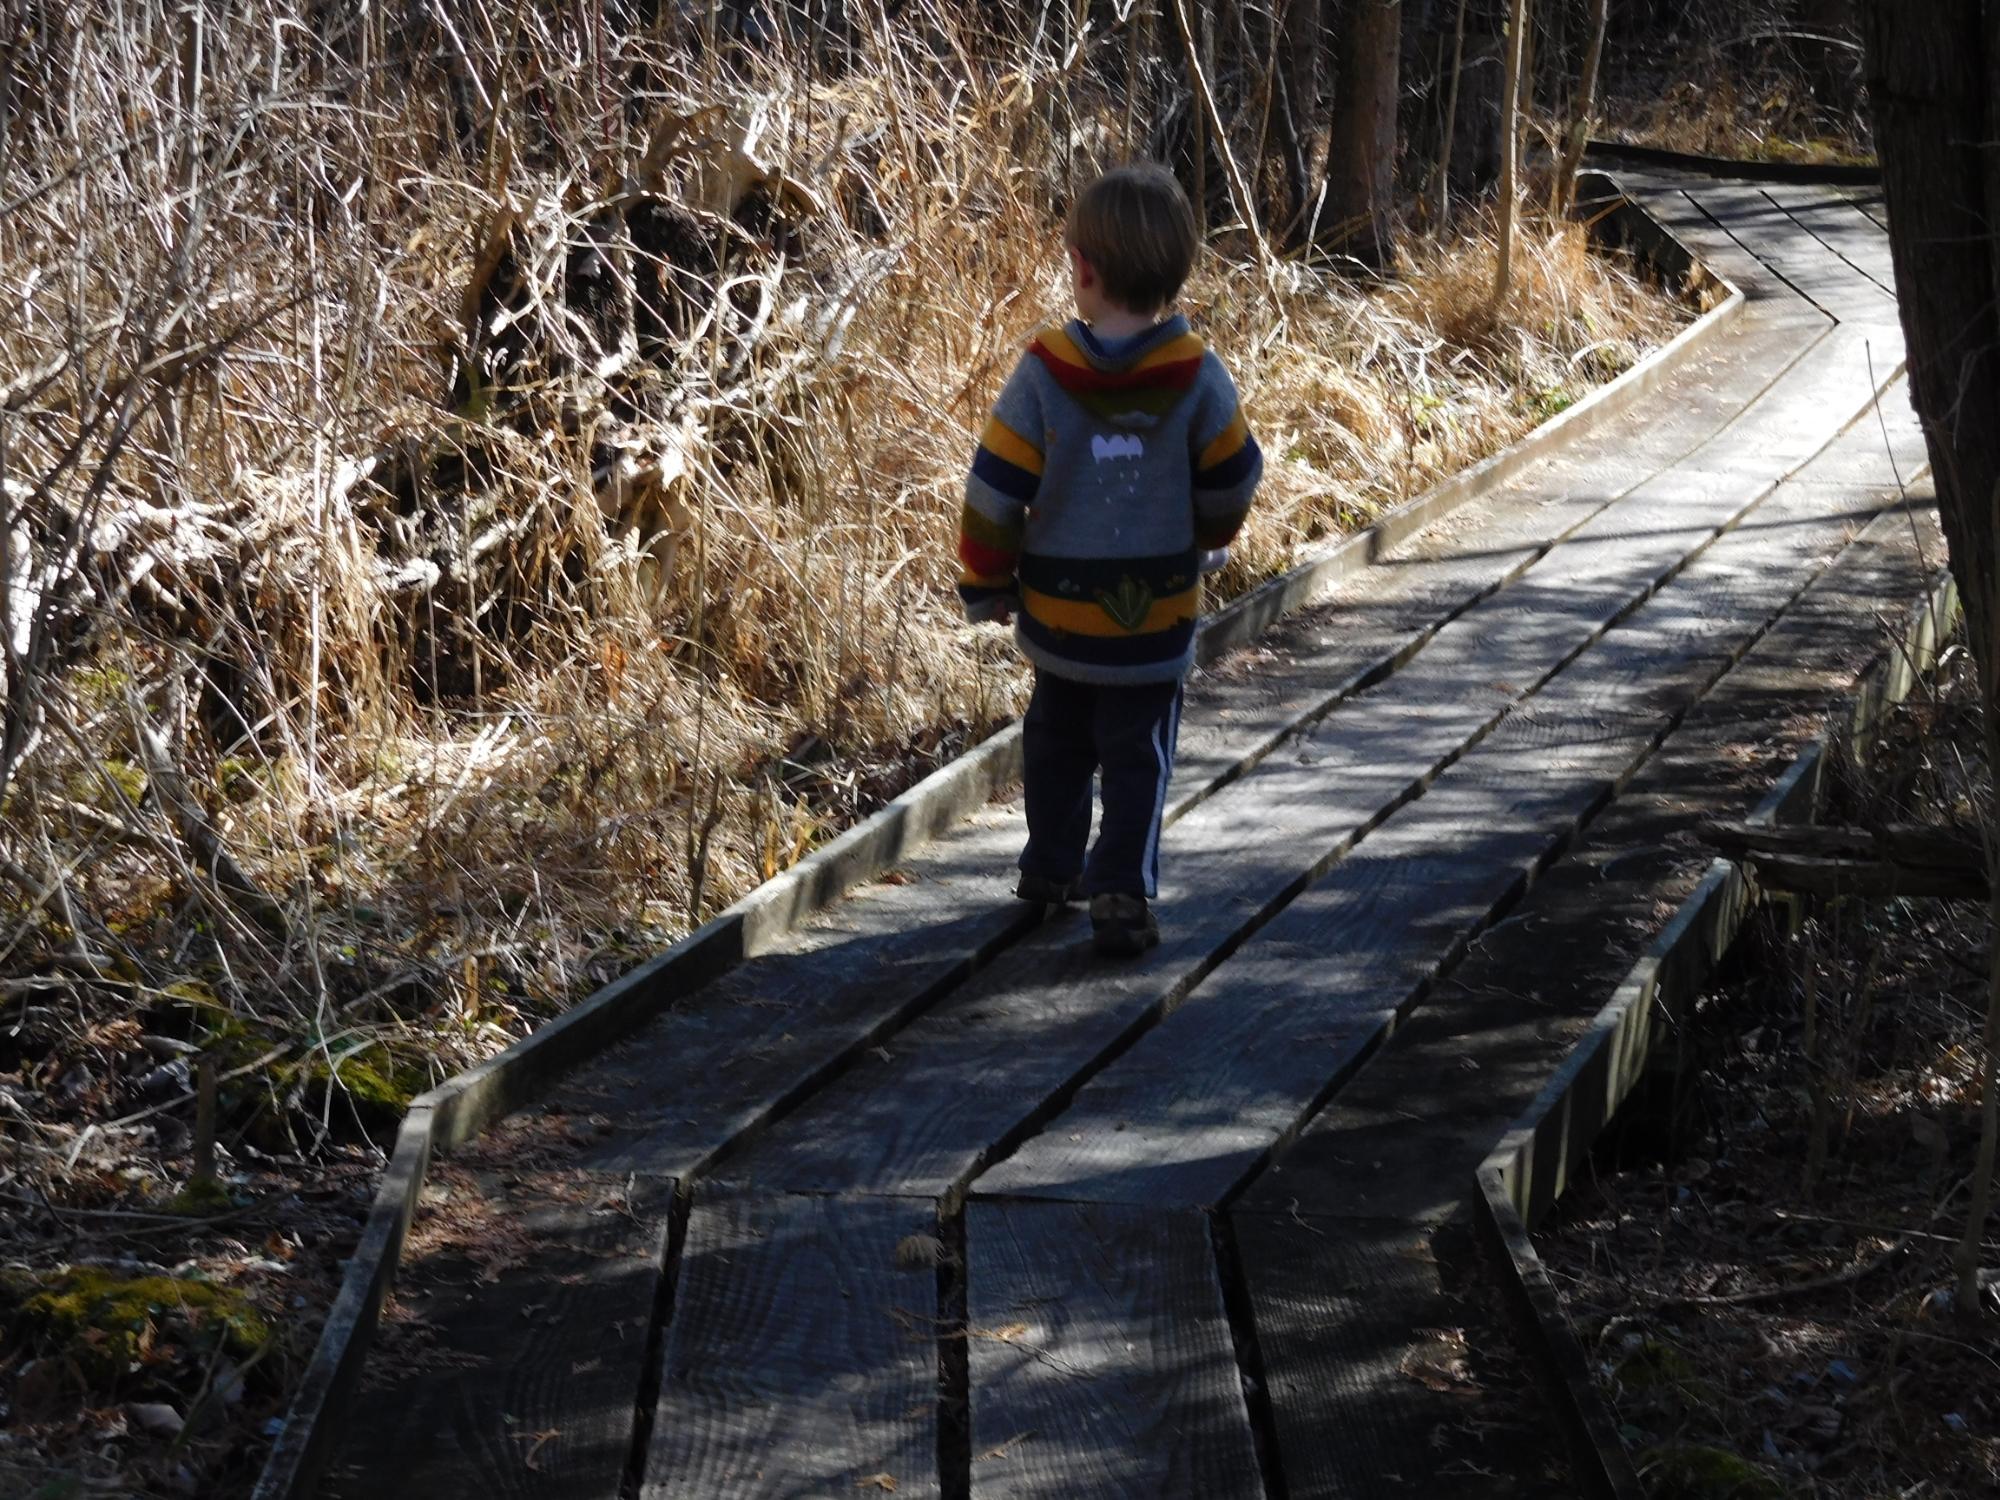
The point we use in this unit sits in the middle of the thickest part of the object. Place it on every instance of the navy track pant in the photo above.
(1127, 732)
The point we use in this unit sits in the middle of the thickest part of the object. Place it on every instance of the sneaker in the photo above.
(1122, 925)
(1046, 889)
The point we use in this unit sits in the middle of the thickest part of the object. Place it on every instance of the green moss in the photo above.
(239, 779)
(103, 1322)
(194, 993)
(109, 786)
(1655, 1366)
(201, 1197)
(373, 1086)
(375, 1082)
(1694, 1471)
(100, 685)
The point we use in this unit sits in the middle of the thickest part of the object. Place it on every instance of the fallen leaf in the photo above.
(1006, 1333)
(878, 1482)
(999, 1450)
(156, 1416)
(536, 1441)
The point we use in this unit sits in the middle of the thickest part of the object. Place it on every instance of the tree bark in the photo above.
(1927, 78)
(1361, 145)
(1932, 89)
(1450, 129)
(1510, 150)
(1584, 117)
(1297, 82)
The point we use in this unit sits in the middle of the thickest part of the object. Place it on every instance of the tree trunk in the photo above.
(1931, 86)
(1450, 129)
(1297, 82)
(1585, 115)
(1510, 150)
(1928, 80)
(1361, 148)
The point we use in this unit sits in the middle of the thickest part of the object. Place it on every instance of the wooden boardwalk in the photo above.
(934, 1202)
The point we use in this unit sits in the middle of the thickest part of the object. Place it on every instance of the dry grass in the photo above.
(369, 549)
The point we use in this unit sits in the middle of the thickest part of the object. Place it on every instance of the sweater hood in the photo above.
(1135, 384)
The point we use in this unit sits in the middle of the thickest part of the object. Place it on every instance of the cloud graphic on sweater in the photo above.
(1126, 446)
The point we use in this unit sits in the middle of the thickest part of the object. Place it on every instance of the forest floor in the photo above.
(1760, 1261)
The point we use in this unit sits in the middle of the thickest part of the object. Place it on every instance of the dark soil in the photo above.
(1760, 1262)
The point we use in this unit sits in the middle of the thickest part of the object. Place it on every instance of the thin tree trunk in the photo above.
(1450, 118)
(1297, 85)
(1585, 118)
(1361, 148)
(1510, 151)
(1239, 190)
(1930, 68)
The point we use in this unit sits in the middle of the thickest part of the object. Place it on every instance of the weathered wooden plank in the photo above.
(1732, 370)
(1792, 251)
(1769, 295)
(802, 1355)
(966, 1080)
(729, 1055)
(1483, 1043)
(724, 1060)
(1387, 1371)
(1101, 1360)
(1873, 204)
(1406, 1136)
(1840, 224)
(1787, 426)
(1191, 1110)
(511, 1359)
(1253, 696)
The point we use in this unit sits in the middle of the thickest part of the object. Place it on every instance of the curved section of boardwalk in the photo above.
(935, 1202)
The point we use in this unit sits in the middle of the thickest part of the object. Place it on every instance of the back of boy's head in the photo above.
(1136, 228)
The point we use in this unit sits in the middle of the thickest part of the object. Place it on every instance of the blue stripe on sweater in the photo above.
(1010, 480)
(1233, 470)
(1155, 647)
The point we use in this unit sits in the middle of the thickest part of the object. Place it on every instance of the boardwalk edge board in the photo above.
(1824, 174)
(1524, 1176)
(464, 1105)
(306, 1441)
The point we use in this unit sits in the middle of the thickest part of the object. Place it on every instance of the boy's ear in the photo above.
(1086, 273)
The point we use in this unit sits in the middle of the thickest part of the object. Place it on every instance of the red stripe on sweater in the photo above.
(985, 561)
(1177, 376)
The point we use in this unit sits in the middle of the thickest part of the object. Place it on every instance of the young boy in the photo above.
(1116, 464)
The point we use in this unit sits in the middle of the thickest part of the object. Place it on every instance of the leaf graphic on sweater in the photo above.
(1129, 603)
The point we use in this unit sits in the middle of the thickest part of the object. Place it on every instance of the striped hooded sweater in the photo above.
(1098, 483)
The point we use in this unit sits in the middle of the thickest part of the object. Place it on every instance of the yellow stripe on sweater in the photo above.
(1002, 441)
(1058, 342)
(1228, 444)
(1087, 617)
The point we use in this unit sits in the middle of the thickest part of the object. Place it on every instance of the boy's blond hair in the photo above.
(1136, 228)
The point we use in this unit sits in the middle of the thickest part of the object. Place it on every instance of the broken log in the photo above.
(1898, 859)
